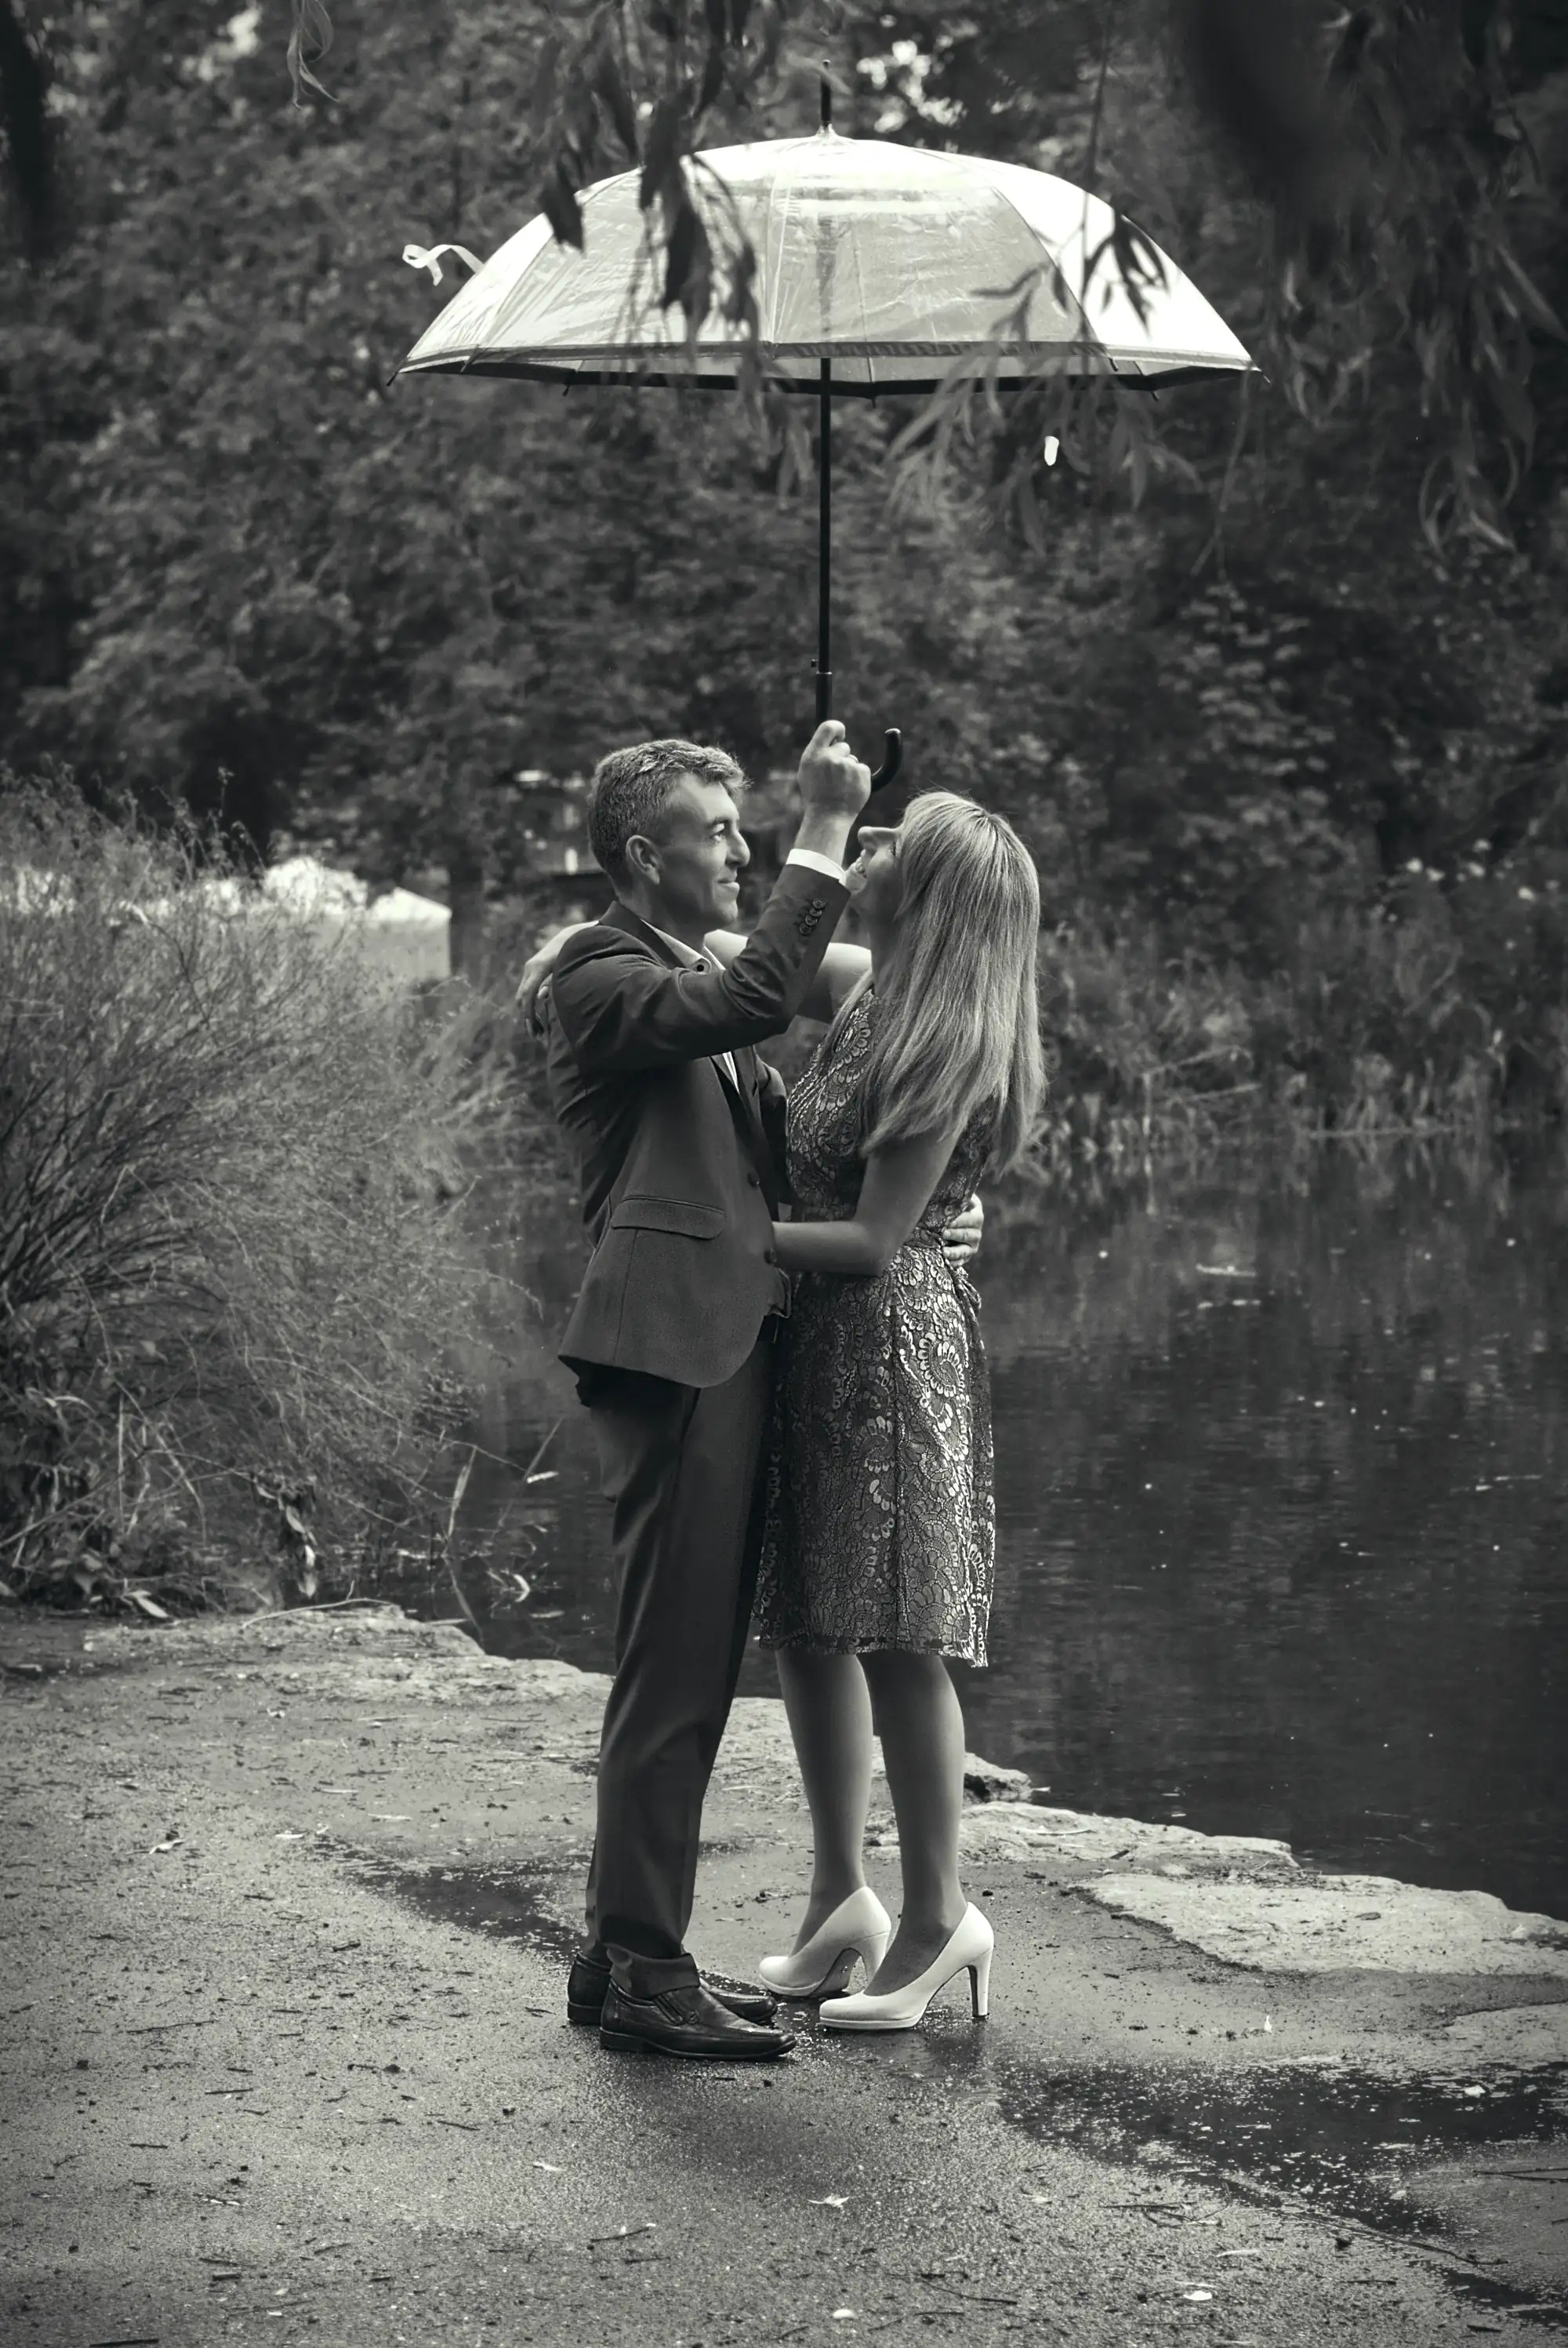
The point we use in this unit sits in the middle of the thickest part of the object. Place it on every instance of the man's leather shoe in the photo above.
(589, 1979)
(686, 2019)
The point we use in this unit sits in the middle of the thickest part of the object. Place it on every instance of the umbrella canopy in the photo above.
(889, 263)
(879, 268)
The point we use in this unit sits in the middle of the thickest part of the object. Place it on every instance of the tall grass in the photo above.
(230, 1254)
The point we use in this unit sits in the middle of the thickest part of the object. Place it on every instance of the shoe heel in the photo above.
(980, 1986)
(620, 2042)
(835, 1981)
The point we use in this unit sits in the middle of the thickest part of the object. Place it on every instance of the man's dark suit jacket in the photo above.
(680, 1172)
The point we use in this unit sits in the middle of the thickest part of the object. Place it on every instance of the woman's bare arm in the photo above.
(898, 1187)
(843, 969)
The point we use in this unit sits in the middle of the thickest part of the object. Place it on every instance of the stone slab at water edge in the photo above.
(1339, 1923)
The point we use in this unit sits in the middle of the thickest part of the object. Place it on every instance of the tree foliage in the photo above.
(1216, 648)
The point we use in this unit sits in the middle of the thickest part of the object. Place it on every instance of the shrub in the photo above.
(1147, 1049)
(230, 1258)
(1441, 1008)
(1435, 1008)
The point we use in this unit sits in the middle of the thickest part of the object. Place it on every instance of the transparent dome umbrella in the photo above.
(879, 268)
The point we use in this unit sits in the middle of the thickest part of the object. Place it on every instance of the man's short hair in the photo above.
(631, 792)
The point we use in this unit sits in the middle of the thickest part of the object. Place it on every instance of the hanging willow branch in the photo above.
(310, 38)
(1384, 140)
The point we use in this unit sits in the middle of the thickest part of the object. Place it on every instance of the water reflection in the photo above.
(1281, 1474)
(1361, 2139)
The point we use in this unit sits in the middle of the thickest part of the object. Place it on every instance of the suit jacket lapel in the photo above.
(748, 1119)
(622, 917)
(742, 1102)
(749, 1069)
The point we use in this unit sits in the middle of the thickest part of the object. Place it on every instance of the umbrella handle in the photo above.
(892, 758)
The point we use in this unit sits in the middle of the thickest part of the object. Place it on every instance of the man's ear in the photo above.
(641, 858)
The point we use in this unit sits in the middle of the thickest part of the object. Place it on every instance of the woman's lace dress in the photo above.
(881, 1521)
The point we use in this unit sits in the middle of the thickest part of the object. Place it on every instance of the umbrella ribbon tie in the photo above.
(428, 256)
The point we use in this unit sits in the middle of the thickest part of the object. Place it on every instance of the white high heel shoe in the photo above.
(969, 1947)
(859, 1927)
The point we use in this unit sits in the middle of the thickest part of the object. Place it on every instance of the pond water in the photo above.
(1282, 1467)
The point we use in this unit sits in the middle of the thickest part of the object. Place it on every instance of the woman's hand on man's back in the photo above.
(962, 1237)
(540, 964)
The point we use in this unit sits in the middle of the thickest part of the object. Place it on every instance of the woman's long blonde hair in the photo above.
(957, 1025)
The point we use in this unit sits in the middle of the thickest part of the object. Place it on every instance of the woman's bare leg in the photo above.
(921, 1726)
(829, 1711)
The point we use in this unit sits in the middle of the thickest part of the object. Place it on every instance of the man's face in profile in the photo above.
(701, 855)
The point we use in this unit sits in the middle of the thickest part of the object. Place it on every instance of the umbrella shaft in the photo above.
(824, 501)
(825, 547)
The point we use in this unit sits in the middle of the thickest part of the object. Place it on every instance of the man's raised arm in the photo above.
(621, 1011)
(841, 970)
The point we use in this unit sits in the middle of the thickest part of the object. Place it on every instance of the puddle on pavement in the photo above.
(1355, 2142)
(509, 1902)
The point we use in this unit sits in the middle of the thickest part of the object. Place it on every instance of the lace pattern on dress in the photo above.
(881, 1521)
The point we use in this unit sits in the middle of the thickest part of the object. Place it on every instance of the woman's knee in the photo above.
(895, 1673)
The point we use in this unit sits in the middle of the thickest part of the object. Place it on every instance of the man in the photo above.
(676, 1126)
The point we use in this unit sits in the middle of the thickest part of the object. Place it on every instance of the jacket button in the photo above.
(756, 1180)
(769, 1255)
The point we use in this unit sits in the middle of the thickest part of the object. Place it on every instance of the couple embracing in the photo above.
(790, 1410)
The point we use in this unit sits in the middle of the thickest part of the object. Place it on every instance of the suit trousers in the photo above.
(682, 1467)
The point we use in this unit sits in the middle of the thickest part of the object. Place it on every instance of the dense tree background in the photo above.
(1314, 637)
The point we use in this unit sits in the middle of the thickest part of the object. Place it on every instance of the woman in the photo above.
(878, 1557)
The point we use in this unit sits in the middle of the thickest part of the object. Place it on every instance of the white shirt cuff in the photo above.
(816, 863)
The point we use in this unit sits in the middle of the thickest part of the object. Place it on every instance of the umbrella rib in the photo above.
(865, 316)
(775, 187)
(769, 276)
(1089, 338)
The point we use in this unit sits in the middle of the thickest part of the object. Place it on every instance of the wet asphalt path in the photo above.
(263, 2083)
